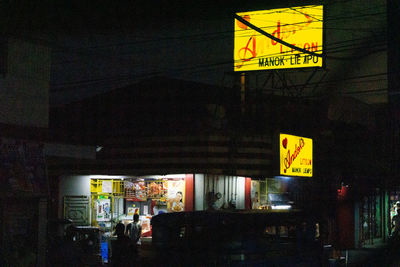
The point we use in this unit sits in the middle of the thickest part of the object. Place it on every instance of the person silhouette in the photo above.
(396, 223)
(121, 247)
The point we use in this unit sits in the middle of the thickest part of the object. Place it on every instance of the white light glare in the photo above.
(281, 207)
(106, 177)
(283, 177)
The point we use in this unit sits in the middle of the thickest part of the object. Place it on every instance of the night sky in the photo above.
(103, 45)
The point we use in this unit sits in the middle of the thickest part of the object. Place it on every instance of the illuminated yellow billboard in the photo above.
(296, 155)
(295, 31)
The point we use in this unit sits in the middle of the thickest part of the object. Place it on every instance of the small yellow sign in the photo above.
(297, 26)
(296, 155)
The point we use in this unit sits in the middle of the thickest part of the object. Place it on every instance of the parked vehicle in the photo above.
(232, 238)
(71, 245)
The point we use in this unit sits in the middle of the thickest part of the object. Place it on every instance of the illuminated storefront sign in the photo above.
(296, 155)
(299, 27)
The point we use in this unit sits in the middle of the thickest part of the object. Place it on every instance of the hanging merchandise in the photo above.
(140, 191)
(135, 191)
(103, 210)
(157, 189)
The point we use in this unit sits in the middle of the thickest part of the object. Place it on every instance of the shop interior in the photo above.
(271, 193)
(116, 199)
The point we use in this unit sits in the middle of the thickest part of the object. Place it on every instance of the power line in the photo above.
(207, 66)
(208, 34)
(328, 46)
(193, 69)
(383, 90)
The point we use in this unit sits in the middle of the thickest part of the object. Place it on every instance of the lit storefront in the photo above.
(372, 217)
(374, 213)
(272, 194)
(100, 201)
(283, 191)
(117, 200)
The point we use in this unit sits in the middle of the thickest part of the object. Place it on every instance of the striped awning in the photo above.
(216, 154)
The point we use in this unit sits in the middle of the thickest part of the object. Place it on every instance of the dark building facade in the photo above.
(166, 126)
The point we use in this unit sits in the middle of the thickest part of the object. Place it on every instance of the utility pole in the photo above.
(243, 93)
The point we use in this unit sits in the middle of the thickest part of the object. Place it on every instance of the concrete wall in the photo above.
(74, 185)
(240, 198)
(79, 185)
(199, 192)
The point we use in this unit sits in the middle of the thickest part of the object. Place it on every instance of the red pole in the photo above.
(247, 193)
(189, 199)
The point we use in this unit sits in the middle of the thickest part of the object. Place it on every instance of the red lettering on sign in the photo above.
(243, 51)
(277, 33)
(290, 158)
